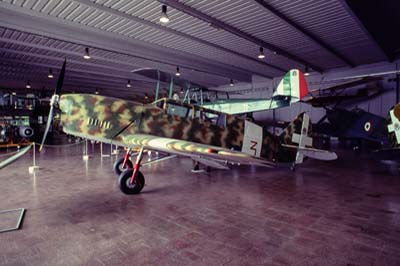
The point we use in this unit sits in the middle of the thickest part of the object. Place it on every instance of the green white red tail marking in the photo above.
(293, 84)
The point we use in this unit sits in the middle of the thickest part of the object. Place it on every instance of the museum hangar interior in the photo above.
(182, 132)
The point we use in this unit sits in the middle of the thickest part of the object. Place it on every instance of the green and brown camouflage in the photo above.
(113, 120)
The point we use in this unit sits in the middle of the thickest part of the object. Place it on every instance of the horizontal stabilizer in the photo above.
(314, 153)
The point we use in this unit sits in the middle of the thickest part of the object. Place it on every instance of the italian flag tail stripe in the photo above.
(293, 84)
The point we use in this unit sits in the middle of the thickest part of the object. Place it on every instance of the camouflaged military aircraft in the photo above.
(209, 137)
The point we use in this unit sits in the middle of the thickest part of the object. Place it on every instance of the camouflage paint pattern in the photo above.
(392, 135)
(110, 119)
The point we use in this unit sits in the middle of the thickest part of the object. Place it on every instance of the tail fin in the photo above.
(295, 128)
(297, 136)
(293, 84)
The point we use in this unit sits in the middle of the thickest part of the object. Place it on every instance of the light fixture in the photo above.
(50, 75)
(164, 17)
(87, 55)
(306, 71)
(178, 73)
(146, 96)
(96, 92)
(128, 85)
(28, 85)
(14, 93)
(261, 54)
(231, 83)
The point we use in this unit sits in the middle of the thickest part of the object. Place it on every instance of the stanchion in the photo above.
(86, 155)
(34, 167)
(101, 151)
(114, 151)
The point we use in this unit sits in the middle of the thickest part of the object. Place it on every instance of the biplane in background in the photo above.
(291, 89)
(208, 137)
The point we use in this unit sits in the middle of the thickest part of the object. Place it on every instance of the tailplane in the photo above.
(292, 85)
(298, 136)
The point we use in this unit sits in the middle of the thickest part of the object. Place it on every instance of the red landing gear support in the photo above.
(123, 163)
(131, 181)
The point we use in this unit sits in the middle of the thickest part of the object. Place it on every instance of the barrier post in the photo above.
(101, 151)
(34, 167)
(85, 154)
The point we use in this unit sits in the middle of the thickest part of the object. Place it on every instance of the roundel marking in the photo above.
(367, 126)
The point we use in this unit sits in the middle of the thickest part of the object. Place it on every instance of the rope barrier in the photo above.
(8, 154)
(61, 146)
(15, 156)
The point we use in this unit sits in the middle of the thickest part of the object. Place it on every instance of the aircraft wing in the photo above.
(206, 154)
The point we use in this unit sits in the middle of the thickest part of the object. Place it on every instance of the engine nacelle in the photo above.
(25, 132)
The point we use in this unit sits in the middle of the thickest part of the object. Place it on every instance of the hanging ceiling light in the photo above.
(96, 92)
(128, 85)
(50, 75)
(28, 85)
(306, 71)
(178, 73)
(164, 17)
(86, 55)
(261, 54)
(146, 96)
(231, 83)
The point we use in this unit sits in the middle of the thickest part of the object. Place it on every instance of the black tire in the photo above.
(118, 166)
(124, 182)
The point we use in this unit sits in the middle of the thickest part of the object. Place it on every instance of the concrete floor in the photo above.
(344, 213)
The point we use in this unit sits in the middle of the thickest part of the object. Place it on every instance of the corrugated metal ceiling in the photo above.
(206, 54)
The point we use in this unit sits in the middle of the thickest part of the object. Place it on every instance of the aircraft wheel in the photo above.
(118, 169)
(124, 182)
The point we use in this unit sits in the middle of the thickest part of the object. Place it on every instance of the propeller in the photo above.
(53, 101)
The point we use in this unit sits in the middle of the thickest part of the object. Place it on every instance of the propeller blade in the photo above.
(49, 120)
(60, 81)
(54, 100)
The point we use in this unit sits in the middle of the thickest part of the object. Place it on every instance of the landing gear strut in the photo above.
(123, 163)
(131, 181)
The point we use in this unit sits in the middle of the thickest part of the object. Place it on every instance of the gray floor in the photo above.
(339, 213)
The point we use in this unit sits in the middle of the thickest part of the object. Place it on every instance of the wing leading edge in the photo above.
(192, 149)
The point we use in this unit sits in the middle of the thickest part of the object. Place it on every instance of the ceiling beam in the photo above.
(58, 62)
(310, 35)
(222, 25)
(34, 22)
(105, 61)
(178, 33)
(14, 82)
(27, 74)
